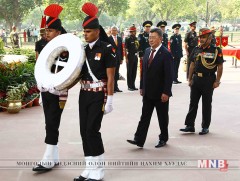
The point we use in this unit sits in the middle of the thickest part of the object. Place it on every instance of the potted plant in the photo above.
(15, 95)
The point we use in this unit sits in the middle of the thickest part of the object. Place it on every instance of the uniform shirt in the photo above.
(208, 54)
(100, 57)
(131, 44)
(40, 44)
(191, 39)
(143, 43)
(165, 40)
(176, 45)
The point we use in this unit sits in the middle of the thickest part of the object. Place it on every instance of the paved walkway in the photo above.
(22, 138)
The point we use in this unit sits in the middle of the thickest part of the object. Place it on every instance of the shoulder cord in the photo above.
(90, 72)
(209, 65)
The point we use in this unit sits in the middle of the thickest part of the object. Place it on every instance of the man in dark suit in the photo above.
(155, 87)
(116, 42)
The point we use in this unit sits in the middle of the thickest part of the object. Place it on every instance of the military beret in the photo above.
(204, 31)
(53, 22)
(132, 28)
(91, 21)
(162, 23)
(147, 23)
(193, 23)
(177, 26)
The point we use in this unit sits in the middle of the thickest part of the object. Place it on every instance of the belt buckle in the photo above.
(200, 74)
(86, 86)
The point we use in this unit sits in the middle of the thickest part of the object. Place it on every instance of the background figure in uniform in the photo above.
(116, 42)
(143, 41)
(14, 38)
(131, 50)
(213, 42)
(29, 35)
(40, 44)
(97, 73)
(53, 100)
(205, 61)
(190, 42)
(176, 50)
(155, 87)
(162, 25)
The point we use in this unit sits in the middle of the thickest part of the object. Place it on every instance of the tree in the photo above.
(12, 11)
(72, 8)
(140, 11)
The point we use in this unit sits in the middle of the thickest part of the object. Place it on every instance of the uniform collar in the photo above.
(93, 43)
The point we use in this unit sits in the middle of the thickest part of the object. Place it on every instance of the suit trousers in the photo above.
(131, 70)
(52, 113)
(176, 63)
(163, 119)
(116, 78)
(201, 87)
(91, 109)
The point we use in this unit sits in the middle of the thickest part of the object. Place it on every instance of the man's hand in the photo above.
(164, 97)
(108, 106)
(54, 91)
(216, 84)
(189, 82)
(41, 88)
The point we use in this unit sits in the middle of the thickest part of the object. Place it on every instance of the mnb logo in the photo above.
(221, 164)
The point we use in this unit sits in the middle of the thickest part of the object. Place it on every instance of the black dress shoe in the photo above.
(179, 82)
(133, 142)
(175, 82)
(40, 168)
(80, 178)
(188, 129)
(204, 131)
(135, 88)
(161, 143)
(130, 89)
(118, 90)
(90, 179)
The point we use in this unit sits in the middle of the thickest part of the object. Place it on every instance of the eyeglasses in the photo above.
(152, 37)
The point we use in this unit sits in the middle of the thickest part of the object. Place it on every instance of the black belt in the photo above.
(199, 74)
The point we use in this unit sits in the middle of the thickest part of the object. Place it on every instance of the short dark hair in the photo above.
(158, 31)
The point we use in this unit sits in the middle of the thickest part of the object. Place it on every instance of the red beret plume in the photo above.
(43, 22)
(90, 9)
(53, 10)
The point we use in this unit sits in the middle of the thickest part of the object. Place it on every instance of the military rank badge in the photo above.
(208, 55)
(98, 56)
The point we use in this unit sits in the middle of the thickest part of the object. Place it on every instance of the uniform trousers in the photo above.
(91, 109)
(116, 77)
(52, 114)
(131, 70)
(201, 87)
(176, 63)
(147, 110)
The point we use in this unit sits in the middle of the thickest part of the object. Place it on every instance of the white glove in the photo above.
(41, 88)
(52, 90)
(108, 106)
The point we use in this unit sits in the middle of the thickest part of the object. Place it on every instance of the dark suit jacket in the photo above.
(118, 48)
(158, 77)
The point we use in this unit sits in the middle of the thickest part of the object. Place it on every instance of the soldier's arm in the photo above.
(185, 44)
(190, 75)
